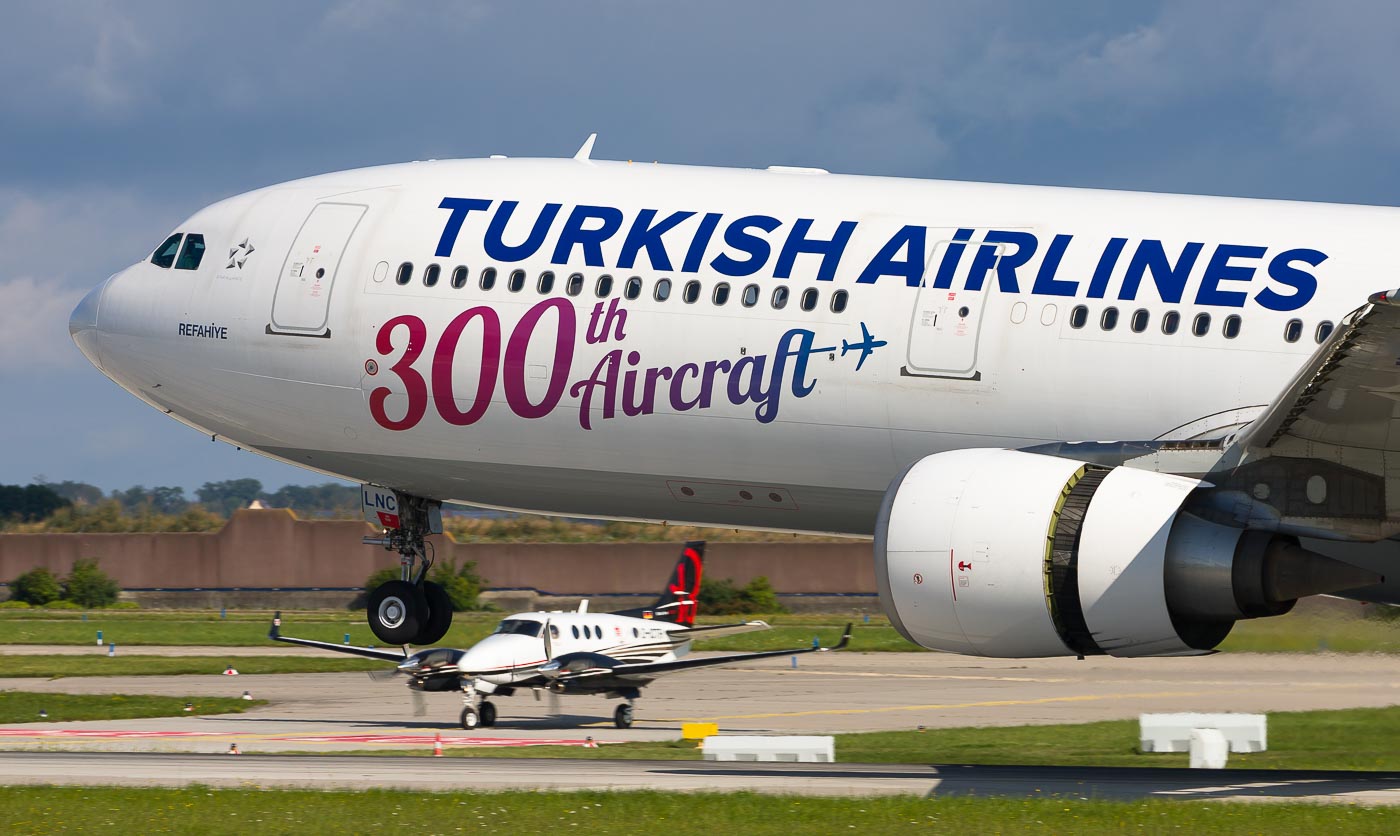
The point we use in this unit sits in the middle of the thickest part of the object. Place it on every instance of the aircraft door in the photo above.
(301, 303)
(947, 321)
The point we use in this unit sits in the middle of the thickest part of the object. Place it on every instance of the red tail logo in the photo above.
(684, 595)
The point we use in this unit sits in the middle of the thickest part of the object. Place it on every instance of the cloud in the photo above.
(33, 327)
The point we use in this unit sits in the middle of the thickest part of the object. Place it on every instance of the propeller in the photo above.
(420, 703)
(548, 644)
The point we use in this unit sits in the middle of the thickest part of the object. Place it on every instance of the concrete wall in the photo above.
(275, 550)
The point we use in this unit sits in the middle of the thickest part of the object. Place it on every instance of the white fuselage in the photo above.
(309, 349)
(515, 652)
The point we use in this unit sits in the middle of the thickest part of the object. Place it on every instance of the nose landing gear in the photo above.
(411, 610)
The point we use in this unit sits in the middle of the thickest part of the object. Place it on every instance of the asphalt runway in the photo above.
(932, 781)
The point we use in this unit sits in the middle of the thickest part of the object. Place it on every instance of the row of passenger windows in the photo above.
(1200, 324)
(603, 286)
(186, 258)
(530, 627)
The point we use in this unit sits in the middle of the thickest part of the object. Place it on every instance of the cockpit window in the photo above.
(519, 626)
(192, 254)
(164, 256)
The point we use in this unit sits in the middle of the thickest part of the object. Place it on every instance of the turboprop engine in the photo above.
(1002, 553)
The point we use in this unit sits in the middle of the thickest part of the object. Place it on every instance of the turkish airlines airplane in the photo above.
(1073, 421)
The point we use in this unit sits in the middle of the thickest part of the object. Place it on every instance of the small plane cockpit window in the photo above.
(1109, 319)
(575, 284)
(1231, 328)
(459, 277)
(546, 282)
(780, 298)
(1139, 321)
(1078, 316)
(519, 626)
(488, 278)
(516, 281)
(750, 297)
(1293, 331)
(1201, 326)
(604, 287)
(691, 292)
(1171, 320)
(192, 253)
(838, 301)
(164, 256)
(1324, 330)
(721, 294)
(809, 299)
(662, 292)
(431, 274)
(405, 274)
(633, 288)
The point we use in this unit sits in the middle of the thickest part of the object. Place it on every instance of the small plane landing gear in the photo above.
(411, 610)
(470, 719)
(487, 711)
(622, 717)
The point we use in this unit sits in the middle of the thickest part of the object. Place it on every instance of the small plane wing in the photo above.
(714, 631)
(275, 633)
(650, 669)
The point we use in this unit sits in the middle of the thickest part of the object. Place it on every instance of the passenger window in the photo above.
(554, 631)
(633, 289)
(164, 256)
(575, 285)
(430, 275)
(750, 296)
(635, 633)
(780, 298)
(604, 288)
(405, 274)
(691, 292)
(838, 301)
(192, 254)
(575, 629)
(1293, 331)
(516, 281)
(809, 299)
(721, 294)
(459, 278)
(546, 282)
(1078, 316)
(662, 291)
(1171, 320)
(1109, 319)
(488, 278)
(1139, 323)
(1231, 328)
(1324, 330)
(1201, 326)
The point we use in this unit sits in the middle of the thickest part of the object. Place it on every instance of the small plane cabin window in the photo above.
(575, 629)
(691, 292)
(488, 278)
(1324, 330)
(405, 274)
(809, 299)
(430, 275)
(459, 277)
(1078, 316)
(1201, 325)
(839, 300)
(636, 634)
(192, 253)
(575, 284)
(749, 297)
(662, 292)
(1139, 321)
(516, 281)
(633, 288)
(721, 294)
(546, 283)
(1231, 328)
(604, 287)
(554, 631)
(1171, 320)
(1293, 331)
(164, 256)
(1108, 320)
(780, 298)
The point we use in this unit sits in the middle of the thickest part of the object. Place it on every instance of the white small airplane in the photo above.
(614, 655)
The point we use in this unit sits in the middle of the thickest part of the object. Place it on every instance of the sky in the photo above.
(119, 119)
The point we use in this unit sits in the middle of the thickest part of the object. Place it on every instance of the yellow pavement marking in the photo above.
(938, 706)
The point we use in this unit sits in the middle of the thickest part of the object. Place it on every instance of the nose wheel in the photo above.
(411, 610)
(622, 717)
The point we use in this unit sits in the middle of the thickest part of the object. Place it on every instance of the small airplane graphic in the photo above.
(867, 345)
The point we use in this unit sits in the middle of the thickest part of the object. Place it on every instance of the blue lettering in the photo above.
(647, 236)
(461, 207)
(830, 251)
(1170, 279)
(1045, 282)
(755, 247)
(1220, 270)
(1304, 284)
(696, 253)
(951, 256)
(497, 248)
(1104, 271)
(574, 234)
(987, 258)
(910, 239)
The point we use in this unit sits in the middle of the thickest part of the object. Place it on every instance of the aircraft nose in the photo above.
(82, 325)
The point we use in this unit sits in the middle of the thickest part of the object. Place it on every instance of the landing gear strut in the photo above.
(411, 610)
(476, 712)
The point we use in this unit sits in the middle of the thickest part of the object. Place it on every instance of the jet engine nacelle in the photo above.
(1002, 553)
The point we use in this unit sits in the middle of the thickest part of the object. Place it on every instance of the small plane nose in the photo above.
(82, 325)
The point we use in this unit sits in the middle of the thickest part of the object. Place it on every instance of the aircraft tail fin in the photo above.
(677, 602)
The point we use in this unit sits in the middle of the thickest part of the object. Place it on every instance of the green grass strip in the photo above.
(24, 707)
(58, 667)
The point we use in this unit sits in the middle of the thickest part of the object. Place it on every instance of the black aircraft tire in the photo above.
(470, 719)
(439, 619)
(394, 611)
(487, 709)
(622, 717)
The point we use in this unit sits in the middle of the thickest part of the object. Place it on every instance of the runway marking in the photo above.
(937, 706)
(387, 739)
(100, 733)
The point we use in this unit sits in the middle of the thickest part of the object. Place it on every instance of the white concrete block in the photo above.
(1209, 749)
(1172, 732)
(796, 749)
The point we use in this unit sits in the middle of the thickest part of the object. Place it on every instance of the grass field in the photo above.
(57, 667)
(206, 810)
(24, 707)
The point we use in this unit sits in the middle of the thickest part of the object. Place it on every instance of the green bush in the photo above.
(719, 596)
(88, 587)
(14, 605)
(760, 597)
(125, 605)
(36, 587)
(61, 605)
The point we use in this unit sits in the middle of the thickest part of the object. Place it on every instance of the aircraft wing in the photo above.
(275, 633)
(713, 631)
(651, 669)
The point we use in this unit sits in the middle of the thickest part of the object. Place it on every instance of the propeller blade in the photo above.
(381, 676)
(420, 704)
(554, 708)
(548, 645)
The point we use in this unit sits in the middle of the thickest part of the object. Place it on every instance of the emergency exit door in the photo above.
(301, 304)
(947, 321)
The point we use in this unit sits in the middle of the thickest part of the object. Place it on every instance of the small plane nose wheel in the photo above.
(622, 717)
(487, 712)
(470, 719)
